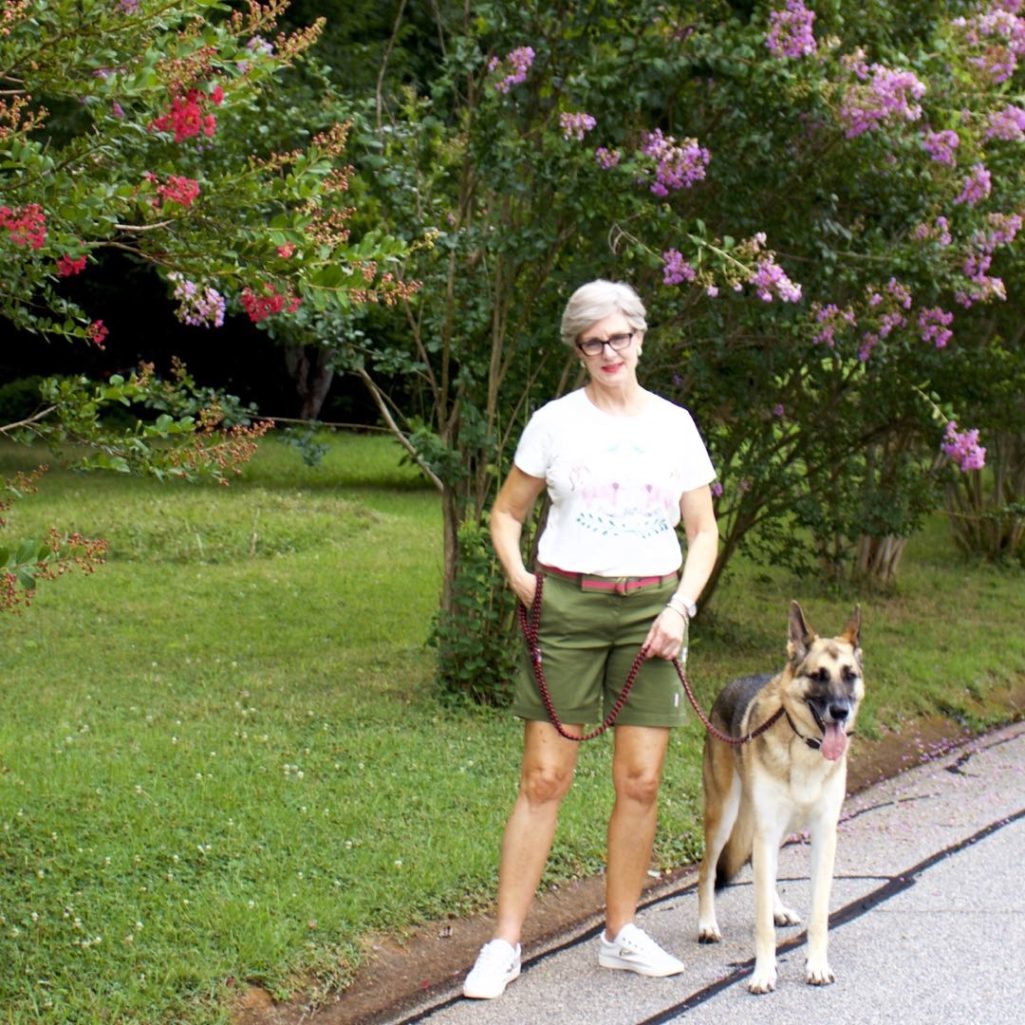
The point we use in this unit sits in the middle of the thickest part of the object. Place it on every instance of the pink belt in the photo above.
(617, 585)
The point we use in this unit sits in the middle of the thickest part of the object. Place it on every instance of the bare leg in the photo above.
(545, 778)
(636, 774)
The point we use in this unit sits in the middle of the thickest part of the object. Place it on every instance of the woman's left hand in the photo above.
(665, 638)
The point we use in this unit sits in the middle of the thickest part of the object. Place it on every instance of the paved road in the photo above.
(928, 922)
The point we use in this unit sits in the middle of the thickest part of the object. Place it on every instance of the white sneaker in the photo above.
(635, 951)
(498, 963)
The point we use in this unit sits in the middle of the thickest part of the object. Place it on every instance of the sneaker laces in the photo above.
(496, 954)
(638, 941)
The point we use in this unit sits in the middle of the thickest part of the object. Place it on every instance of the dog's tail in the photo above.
(737, 851)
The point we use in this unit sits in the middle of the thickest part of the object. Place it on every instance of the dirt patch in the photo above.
(433, 958)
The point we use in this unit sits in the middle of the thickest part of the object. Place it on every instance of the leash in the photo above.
(530, 625)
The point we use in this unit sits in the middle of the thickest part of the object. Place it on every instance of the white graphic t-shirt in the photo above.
(615, 483)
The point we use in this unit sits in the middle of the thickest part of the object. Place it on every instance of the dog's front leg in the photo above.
(764, 861)
(823, 856)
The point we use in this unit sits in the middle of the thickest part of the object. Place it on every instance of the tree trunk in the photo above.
(310, 368)
(877, 558)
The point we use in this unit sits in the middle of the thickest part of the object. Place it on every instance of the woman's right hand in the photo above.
(525, 587)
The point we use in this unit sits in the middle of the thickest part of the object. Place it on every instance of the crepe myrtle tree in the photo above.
(814, 225)
(134, 126)
(891, 187)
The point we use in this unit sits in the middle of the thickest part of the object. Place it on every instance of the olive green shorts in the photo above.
(588, 641)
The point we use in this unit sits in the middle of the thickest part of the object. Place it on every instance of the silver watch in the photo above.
(685, 608)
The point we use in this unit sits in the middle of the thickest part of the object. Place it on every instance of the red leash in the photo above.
(530, 624)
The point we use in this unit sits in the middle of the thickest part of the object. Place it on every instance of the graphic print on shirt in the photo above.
(624, 493)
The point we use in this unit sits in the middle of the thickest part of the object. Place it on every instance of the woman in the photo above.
(623, 467)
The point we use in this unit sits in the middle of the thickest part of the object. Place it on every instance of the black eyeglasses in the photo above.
(595, 346)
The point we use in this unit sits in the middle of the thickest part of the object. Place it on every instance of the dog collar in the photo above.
(813, 744)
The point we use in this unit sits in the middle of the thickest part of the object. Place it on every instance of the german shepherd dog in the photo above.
(790, 777)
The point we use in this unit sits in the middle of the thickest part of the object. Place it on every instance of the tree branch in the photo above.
(385, 412)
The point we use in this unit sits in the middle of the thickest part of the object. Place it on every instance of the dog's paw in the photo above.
(781, 914)
(786, 916)
(818, 973)
(708, 932)
(762, 981)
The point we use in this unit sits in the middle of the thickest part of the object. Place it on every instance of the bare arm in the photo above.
(666, 634)
(508, 514)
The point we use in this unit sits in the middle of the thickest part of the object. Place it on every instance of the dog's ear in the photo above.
(852, 631)
(801, 635)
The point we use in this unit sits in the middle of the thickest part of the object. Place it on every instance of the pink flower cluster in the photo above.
(976, 186)
(97, 333)
(607, 158)
(941, 145)
(67, 267)
(999, 33)
(675, 268)
(830, 319)
(887, 95)
(770, 282)
(963, 448)
(26, 226)
(1007, 124)
(515, 66)
(197, 307)
(576, 125)
(268, 302)
(934, 326)
(183, 191)
(186, 118)
(790, 31)
(678, 165)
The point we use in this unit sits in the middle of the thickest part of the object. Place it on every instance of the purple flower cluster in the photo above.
(770, 281)
(830, 319)
(790, 31)
(963, 448)
(999, 34)
(197, 308)
(678, 165)
(983, 287)
(938, 232)
(576, 125)
(607, 158)
(899, 292)
(869, 340)
(886, 96)
(934, 326)
(941, 145)
(260, 46)
(1004, 229)
(514, 66)
(976, 186)
(128, 6)
(1007, 124)
(675, 268)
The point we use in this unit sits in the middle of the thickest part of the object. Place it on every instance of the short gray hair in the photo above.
(597, 300)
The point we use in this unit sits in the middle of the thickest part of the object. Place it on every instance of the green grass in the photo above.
(222, 762)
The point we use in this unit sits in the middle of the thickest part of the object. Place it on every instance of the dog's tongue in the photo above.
(834, 742)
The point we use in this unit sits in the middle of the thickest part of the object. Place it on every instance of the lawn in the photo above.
(222, 761)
